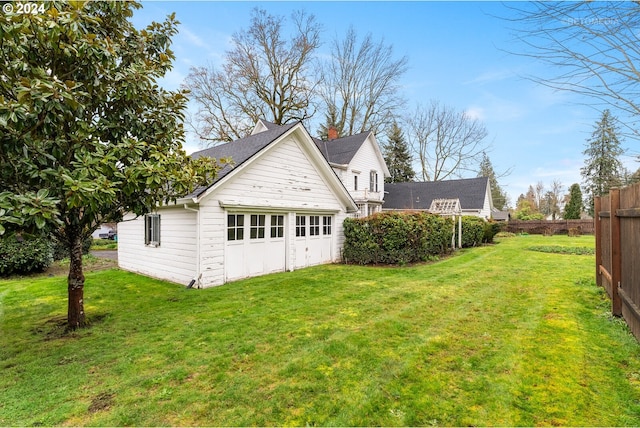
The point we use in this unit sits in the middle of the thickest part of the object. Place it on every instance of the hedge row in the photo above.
(476, 230)
(395, 238)
(32, 254)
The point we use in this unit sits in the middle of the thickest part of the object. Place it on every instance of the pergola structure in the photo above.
(449, 207)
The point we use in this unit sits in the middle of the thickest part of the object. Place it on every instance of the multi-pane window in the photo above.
(300, 225)
(314, 225)
(235, 227)
(152, 229)
(277, 226)
(326, 225)
(256, 230)
(373, 181)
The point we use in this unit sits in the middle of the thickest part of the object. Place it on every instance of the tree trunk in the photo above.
(75, 313)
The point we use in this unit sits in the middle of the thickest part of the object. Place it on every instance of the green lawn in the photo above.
(506, 334)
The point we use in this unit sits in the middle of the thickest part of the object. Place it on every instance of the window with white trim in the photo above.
(277, 226)
(355, 182)
(301, 225)
(326, 225)
(152, 230)
(256, 231)
(373, 181)
(235, 227)
(314, 225)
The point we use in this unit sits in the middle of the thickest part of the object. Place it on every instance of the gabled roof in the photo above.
(418, 195)
(239, 151)
(342, 150)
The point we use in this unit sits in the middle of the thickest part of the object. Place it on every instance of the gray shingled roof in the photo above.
(341, 150)
(239, 151)
(414, 195)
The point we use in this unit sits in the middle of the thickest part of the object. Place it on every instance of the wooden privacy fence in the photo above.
(617, 225)
(551, 227)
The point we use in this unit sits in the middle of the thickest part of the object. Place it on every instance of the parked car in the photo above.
(109, 235)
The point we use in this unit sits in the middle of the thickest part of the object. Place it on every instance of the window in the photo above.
(300, 225)
(277, 226)
(373, 181)
(314, 225)
(152, 230)
(355, 182)
(326, 225)
(360, 212)
(235, 227)
(257, 226)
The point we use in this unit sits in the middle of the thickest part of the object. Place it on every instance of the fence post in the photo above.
(616, 259)
(597, 207)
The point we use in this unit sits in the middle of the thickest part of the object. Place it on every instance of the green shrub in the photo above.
(24, 256)
(60, 250)
(473, 231)
(491, 229)
(395, 238)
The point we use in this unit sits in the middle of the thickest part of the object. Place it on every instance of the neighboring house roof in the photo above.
(342, 150)
(239, 151)
(501, 215)
(418, 195)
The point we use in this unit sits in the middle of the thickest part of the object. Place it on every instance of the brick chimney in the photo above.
(332, 133)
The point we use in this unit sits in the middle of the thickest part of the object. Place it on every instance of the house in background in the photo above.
(359, 163)
(279, 207)
(474, 195)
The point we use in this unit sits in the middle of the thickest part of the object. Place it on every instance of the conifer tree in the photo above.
(497, 193)
(603, 168)
(573, 208)
(397, 157)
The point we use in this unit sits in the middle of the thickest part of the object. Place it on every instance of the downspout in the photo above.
(196, 278)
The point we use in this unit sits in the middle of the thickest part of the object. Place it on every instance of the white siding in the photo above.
(283, 179)
(174, 260)
(365, 161)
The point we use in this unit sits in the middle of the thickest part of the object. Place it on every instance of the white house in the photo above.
(474, 195)
(359, 163)
(279, 207)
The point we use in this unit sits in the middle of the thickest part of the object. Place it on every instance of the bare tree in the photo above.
(361, 84)
(595, 46)
(447, 143)
(263, 76)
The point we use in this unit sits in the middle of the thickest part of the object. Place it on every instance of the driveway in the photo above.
(106, 254)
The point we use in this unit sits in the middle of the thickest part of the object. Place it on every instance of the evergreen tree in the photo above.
(603, 169)
(331, 121)
(397, 157)
(573, 208)
(498, 195)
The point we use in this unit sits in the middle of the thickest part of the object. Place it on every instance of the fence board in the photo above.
(618, 250)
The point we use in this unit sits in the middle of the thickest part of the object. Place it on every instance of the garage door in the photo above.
(255, 245)
(314, 240)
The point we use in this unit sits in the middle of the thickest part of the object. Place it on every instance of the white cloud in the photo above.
(475, 113)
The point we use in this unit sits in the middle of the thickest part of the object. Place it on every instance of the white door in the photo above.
(313, 240)
(255, 245)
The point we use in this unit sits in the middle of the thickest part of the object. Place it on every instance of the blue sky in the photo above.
(458, 55)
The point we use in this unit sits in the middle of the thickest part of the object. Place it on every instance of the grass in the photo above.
(104, 244)
(496, 335)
